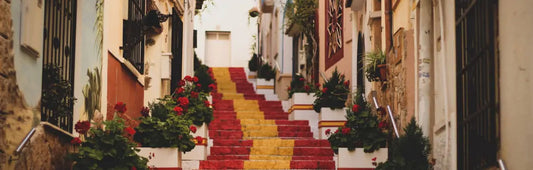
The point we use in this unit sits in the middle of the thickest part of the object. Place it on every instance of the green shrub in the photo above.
(266, 72)
(253, 63)
(334, 93)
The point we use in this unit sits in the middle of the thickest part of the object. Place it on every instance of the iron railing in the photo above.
(58, 55)
(477, 84)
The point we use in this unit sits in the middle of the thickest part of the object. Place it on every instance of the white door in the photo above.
(217, 49)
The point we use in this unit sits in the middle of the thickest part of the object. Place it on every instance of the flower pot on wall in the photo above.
(359, 159)
(382, 72)
(330, 119)
(160, 157)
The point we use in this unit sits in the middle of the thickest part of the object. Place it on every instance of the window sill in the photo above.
(132, 69)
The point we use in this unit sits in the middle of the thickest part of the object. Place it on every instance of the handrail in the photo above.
(25, 141)
(502, 165)
(393, 122)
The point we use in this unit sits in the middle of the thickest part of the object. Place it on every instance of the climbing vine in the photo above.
(302, 13)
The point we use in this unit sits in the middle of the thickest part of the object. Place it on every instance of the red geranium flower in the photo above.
(347, 83)
(374, 159)
(130, 131)
(328, 131)
(307, 88)
(188, 78)
(337, 131)
(195, 79)
(212, 86)
(194, 94)
(184, 101)
(181, 83)
(317, 85)
(180, 90)
(145, 111)
(75, 141)
(120, 107)
(178, 110)
(133, 168)
(207, 104)
(198, 85)
(324, 90)
(382, 125)
(288, 88)
(345, 130)
(302, 79)
(82, 127)
(193, 129)
(355, 108)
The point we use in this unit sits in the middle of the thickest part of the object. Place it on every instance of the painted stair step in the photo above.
(267, 157)
(267, 164)
(297, 142)
(283, 151)
(289, 128)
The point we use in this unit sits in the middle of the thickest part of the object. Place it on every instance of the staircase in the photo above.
(251, 133)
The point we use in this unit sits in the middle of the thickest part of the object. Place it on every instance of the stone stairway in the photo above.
(251, 133)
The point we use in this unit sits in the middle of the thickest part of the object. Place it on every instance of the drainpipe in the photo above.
(425, 66)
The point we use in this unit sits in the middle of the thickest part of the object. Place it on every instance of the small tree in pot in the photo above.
(334, 93)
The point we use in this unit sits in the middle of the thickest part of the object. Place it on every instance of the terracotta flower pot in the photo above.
(382, 72)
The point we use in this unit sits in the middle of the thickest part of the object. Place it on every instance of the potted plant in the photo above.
(106, 148)
(253, 65)
(300, 86)
(205, 79)
(266, 72)
(334, 93)
(376, 67)
(410, 151)
(360, 142)
(301, 93)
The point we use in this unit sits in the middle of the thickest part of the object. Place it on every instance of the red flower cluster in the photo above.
(82, 127)
(188, 78)
(317, 85)
(347, 83)
(307, 88)
(207, 104)
(178, 110)
(324, 90)
(184, 101)
(145, 111)
(181, 83)
(302, 79)
(198, 85)
(129, 131)
(195, 79)
(120, 107)
(179, 90)
(382, 125)
(193, 129)
(75, 141)
(328, 131)
(194, 94)
(345, 130)
(289, 88)
(212, 86)
(355, 108)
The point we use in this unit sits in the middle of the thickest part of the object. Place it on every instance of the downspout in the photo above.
(424, 64)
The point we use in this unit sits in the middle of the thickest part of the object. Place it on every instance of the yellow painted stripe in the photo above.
(300, 107)
(252, 76)
(331, 123)
(265, 87)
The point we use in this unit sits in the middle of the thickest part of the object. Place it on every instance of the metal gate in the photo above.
(58, 63)
(477, 83)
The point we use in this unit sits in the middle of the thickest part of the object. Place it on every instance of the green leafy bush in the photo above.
(108, 149)
(266, 72)
(410, 151)
(371, 68)
(299, 84)
(253, 63)
(334, 93)
(365, 128)
(196, 108)
(204, 78)
(56, 94)
(165, 128)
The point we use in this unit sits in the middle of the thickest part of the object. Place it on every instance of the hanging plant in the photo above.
(375, 68)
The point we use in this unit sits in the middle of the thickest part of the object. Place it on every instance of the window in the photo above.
(133, 36)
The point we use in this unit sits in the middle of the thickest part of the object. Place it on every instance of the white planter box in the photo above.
(252, 74)
(201, 131)
(199, 152)
(302, 99)
(359, 159)
(329, 114)
(264, 82)
(161, 157)
(210, 99)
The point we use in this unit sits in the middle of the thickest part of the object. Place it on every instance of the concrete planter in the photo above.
(210, 99)
(359, 159)
(330, 119)
(191, 159)
(161, 157)
(302, 109)
(266, 88)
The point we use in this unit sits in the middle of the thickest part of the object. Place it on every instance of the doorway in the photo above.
(218, 48)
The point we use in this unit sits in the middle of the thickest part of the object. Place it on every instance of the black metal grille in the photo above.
(133, 39)
(477, 84)
(58, 62)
